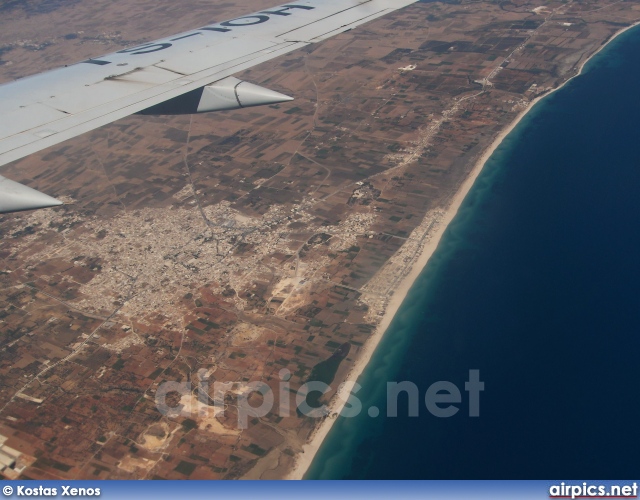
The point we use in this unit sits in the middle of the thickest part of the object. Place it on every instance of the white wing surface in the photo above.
(186, 73)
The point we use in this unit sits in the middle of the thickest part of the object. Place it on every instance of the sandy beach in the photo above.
(304, 460)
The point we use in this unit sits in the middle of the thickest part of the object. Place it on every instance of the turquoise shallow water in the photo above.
(536, 283)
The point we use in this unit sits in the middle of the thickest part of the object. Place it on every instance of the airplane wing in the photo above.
(186, 73)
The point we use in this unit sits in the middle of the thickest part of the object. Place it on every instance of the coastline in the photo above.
(309, 450)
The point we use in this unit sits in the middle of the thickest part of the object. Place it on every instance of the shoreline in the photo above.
(310, 449)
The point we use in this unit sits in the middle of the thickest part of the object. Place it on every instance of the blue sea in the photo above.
(536, 284)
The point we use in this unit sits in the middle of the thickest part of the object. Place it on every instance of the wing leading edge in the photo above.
(49, 108)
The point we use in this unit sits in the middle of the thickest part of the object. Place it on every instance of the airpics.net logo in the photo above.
(241, 402)
(586, 490)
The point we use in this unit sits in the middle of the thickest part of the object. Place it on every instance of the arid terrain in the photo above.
(228, 247)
